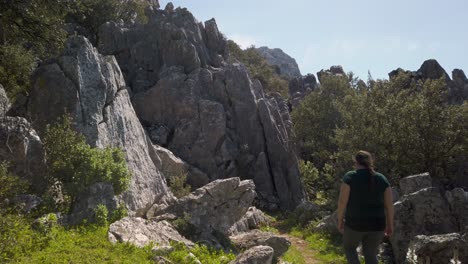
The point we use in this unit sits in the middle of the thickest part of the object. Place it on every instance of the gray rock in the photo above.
(329, 224)
(415, 183)
(91, 88)
(216, 206)
(141, 232)
(287, 65)
(26, 202)
(86, 203)
(4, 102)
(255, 255)
(431, 69)
(258, 238)
(424, 212)
(458, 200)
(438, 249)
(307, 211)
(336, 70)
(253, 219)
(22, 148)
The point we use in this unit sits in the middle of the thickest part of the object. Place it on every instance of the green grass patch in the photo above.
(329, 248)
(201, 252)
(293, 256)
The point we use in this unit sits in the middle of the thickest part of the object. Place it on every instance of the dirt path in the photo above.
(303, 247)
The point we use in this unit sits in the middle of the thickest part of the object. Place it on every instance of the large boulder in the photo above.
(425, 212)
(446, 248)
(141, 232)
(22, 148)
(259, 238)
(253, 219)
(415, 183)
(214, 207)
(91, 88)
(4, 102)
(329, 224)
(255, 255)
(277, 57)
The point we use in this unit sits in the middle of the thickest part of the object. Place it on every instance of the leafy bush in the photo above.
(16, 64)
(259, 69)
(119, 213)
(77, 165)
(10, 185)
(100, 215)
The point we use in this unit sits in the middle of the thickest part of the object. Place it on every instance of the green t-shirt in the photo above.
(365, 210)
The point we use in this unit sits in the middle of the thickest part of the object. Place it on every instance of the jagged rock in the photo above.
(458, 200)
(216, 206)
(91, 88)
(301, 87)
(415, 183)
(206, 113)
(259, 238)
(87, 202)
(287, 65)
(253, 219)
(438, 249)
(255, 255)
(22, 148)
(4, 101)
(141, 232)
(424, 212)
(431, 69)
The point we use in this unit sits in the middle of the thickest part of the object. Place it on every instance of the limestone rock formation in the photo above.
(446, 248)
(22, 148)
(277, 57)
(91, 88)
(329, 224)
(458, 200)
(207, 112)
(300, 87)
(253, 219)
(141, 232)
(335, 70)
(255, 255)
(214, 207)
(424, 212)
(415, 183)
(4, 102)
(259, 238)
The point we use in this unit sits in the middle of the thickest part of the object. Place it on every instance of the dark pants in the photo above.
(370, 245)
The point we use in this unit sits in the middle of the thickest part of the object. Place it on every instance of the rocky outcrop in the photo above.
(214, 207)
(336, 70)
(447, 248)
(253, 219)
(141, 232)
(457, 87)
(22, 148)
(287, 65)
(329, 224)
(458, 200)
(91, 88)
(415, 183)
(424, 212)
(4, 102)
(300, 87)
(207, 112)
(255, 255)
(259, 238)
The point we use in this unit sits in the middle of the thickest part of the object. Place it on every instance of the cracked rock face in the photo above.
(438, 249)
(22, 148)
(255, 255)
(4, 102)
(287, 65)
(259, 238)
(91, 88)
(207, 112)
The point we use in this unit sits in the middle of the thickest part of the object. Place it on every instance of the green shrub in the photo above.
(16, 64)
(77, 165)
(10, 185)
(100, 215)
(185, 228)
(178, 184)
(119, 213)
(201, 252)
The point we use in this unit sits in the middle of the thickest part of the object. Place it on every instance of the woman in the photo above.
(367, 197)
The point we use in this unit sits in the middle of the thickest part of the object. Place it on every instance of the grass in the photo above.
(294, 256)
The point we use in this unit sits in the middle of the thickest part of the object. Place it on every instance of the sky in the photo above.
(363, 36)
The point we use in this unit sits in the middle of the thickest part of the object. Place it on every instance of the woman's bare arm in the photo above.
(388, 202)
(345, 189)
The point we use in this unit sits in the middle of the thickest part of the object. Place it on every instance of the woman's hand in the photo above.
(340, 225)
(389, 230)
